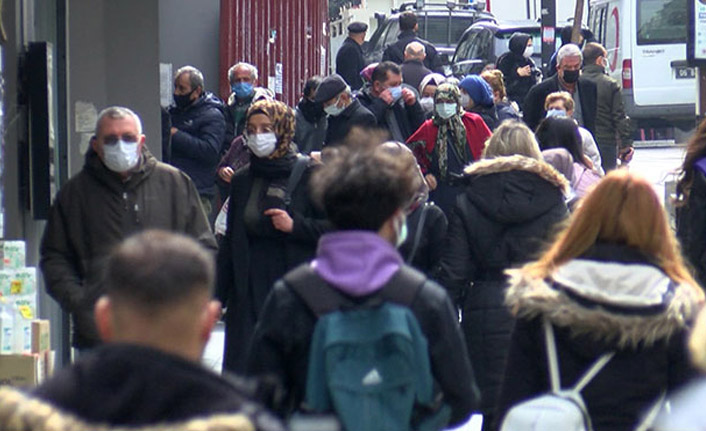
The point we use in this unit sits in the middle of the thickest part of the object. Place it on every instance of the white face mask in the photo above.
(446, 110)
(528, 52)
(465, 100)
(262, 144)
(427, 103)
(121, 156)
(334, 110)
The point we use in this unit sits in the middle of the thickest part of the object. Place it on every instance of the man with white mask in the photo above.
(122, 189)
(343, 109)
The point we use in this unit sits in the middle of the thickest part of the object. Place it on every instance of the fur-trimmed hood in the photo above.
(514, 189)
(617, 303)
(20, 412)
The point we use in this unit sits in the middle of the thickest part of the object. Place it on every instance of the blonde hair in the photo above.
(510, 138)
(624, 209)
(564, 96)
(496, 80)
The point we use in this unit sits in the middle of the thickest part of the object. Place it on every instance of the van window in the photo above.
(464, 48)
(502, 40)
(393, 30)
(661, 21)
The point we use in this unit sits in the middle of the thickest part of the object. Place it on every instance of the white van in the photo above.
(646, 44)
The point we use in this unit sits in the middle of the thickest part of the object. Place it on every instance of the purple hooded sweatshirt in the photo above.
(356, 262)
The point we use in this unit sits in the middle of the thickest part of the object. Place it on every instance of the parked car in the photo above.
(646, 44)
(483, 42)
(441, 24)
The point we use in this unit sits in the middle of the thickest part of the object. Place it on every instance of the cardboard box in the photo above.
(40, 336)
(22, 370)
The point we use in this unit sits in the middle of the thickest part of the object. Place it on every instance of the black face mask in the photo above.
(571, 76)
(182, 100)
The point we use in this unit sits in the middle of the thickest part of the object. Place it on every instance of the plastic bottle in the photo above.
(7, 323)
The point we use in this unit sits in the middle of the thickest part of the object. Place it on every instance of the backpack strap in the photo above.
(314, 291)
(418, 232)
(322, 298)
(294, 177)
(552, 357)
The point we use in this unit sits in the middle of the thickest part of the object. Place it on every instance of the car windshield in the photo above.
(661, 21)
(443, 30)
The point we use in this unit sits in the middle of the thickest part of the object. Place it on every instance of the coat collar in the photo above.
(521, 163)
(21, 412)
(629, 304)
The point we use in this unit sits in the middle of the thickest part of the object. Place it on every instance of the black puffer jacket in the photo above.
(509, 208)
(407, 117)
(196, 147)
(518, 86)
(609, 299)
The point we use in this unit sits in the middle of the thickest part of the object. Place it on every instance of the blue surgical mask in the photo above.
(446, 110)
(242, 89)
(555, 113)
(396, 92)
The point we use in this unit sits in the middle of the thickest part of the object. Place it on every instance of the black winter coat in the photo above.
(355, 115)
(395, 52)
(609, 299)
(407, 117)
(251, 259)
(508, 211)
(517, 86)
(134, 386)
(282, 338)
(691, 223)
(196, 147)
(533, 107)
(349, 63)
(427, 256)
(413, 71)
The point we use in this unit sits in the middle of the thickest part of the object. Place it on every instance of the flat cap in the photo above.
(357, 27)
(330, 87)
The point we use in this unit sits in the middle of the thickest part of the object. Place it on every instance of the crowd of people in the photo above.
(443, 227)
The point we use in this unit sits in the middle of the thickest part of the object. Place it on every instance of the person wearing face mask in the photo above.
(366, 194)
(519, 69)
(613, 131)
(446, 143)
(271, 226)
(310, 130)
(122, 189)
(477, 97)
(198, 129)
(343, 109)
(395, 107)
(568, 78)
(510, 203)
(505, 109)
(427, 88)
(243, 80)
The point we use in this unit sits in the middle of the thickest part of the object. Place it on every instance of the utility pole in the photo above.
(578, 18)
(548, 32)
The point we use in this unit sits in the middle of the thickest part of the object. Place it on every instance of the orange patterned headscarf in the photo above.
(282, 117)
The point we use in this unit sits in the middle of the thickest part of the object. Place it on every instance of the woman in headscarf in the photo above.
(427, 88)
(520, 71)
(446, 143)
(477, 96)
(272, 225)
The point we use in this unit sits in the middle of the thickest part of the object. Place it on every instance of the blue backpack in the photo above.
(369, 361)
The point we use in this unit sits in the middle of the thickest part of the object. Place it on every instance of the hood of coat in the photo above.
(514, 189)
(95, 167)
(518, 43)
(620, 303)
(19, 411)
